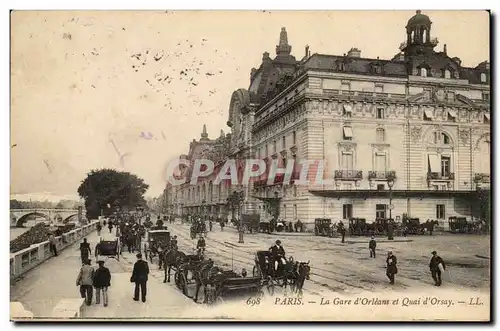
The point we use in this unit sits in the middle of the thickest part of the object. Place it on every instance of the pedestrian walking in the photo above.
(102, 280)
(436, 266)
(392, 268)
(53, 244)
(372, 245)
(140, 278)
(99, 228)
(85, 250)
(342, 231)
(85, 280)
(110, 226)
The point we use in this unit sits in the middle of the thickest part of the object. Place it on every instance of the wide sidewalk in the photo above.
(42, 288)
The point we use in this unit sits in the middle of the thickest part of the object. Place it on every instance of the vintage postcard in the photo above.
(250, 165)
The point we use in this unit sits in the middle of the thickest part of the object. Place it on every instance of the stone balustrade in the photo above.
(28, 258)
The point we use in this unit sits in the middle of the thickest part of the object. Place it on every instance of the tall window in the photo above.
(380, 211)
(440, 212)
(347, 161)
(294, 211)
(284, 211)
(423, 72)
(380, 135)
(380, 162)
(445, 139)
(445, 166)
(294, 137)
(283, 142)
(347, 211)
(380, 113)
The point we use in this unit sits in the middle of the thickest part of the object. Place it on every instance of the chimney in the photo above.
(307, 50)
(354, 52)
(457, 60)
(444, 49)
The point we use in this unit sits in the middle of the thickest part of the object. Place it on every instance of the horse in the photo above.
(303, 271)
(202, 276)
(172, 258)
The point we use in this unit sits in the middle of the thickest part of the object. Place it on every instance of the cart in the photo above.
(229, 284)
(154, 239)
(110, 248)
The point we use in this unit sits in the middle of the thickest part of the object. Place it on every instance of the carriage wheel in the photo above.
(183, 283)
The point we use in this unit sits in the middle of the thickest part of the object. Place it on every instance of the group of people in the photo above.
(436, 264)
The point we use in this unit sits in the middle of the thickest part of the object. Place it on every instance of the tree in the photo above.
(107, 189)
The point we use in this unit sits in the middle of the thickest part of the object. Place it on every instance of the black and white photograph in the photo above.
(254, 165)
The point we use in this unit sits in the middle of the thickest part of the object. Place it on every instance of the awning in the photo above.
(347, 132)
(434, 163)
(487, 116)
(452, 113)
(428, 114)
(348, 108)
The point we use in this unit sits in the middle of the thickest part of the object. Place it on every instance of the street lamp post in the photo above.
(390, 182)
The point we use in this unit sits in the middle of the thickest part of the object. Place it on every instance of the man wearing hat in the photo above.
(85, 280)
(102, 280)
(392, 268)
(140, 278)
(278, 255)
(434, 266)
(371, 246)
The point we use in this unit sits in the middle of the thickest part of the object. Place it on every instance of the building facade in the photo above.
(406, 136)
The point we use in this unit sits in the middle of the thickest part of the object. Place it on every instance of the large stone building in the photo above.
(410, 135)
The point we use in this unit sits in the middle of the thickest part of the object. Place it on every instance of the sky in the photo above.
(85, 85)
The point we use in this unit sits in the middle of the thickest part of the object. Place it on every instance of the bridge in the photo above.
(18, 217)
(43, 285)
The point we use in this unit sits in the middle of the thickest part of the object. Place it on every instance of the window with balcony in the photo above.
(294, 137)
(347, 133)
(347, 161)
(347, 211)
(347, 111)
(380, 135)
(380, 162)
(445, 166)
(380, 113)
(380, 211)
(440, 212)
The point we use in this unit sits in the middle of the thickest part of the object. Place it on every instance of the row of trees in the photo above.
(107, 190)
(63, 204)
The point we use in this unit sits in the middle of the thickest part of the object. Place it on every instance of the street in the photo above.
(347, 268)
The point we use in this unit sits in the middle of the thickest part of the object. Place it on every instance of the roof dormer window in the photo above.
(447, 74)
(483, 77)
(423, 72)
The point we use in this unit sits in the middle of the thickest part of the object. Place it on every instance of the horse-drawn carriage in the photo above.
(291, 273)
(323, 227)
(155, 241)
(109, 248)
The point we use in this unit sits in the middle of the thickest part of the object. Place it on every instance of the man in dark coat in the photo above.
(278, 255)
(372, 245)
(102, 280)
(110, 226)
(392, 268)
(341, 230)
(140, 278)
(436, 260)
(85, 250)
(200, 246)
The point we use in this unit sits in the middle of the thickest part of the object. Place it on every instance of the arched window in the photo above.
(424, 36)
(483, 77)
(423, 72)
(447, 74)
(412, 36)
(445, 139)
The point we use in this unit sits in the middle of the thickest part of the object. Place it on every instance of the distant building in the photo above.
(420, 121)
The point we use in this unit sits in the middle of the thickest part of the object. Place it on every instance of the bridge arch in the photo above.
(67, 218)
(20, 222)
